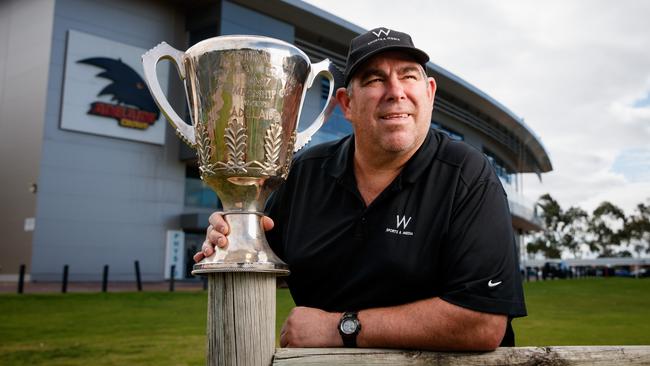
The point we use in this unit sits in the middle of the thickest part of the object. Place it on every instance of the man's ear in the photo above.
(431, 88)
(343, 99)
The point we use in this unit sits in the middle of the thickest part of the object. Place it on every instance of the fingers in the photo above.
(207, 248)
(215, 237)
(197, 257)
(217, 222)
(267, 223)
(217, 230)
(217, 234)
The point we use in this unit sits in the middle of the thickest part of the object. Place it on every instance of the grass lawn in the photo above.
(169, 328)
(598, 311)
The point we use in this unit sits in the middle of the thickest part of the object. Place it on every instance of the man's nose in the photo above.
(394, 89)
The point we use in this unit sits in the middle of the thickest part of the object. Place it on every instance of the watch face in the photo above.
(349, 326)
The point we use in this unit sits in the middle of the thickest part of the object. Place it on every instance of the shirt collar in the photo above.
(422, 158)
(340, 164)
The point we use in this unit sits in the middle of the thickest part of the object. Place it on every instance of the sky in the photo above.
(576, 71)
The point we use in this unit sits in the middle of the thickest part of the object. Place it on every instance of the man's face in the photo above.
(390, 104)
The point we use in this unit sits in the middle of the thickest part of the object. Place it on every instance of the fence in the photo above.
(66, 270)
(547, 356)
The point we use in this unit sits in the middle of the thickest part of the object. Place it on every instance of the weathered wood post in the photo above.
(241, 318)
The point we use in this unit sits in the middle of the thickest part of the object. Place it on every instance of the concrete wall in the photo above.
(24, 62)
(104, 200)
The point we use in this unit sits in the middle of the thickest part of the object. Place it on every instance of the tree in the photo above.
(548, 242)
(607, 229)
(607, 232)
(574, 230)
(636, 230)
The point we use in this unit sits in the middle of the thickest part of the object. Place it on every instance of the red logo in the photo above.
(135, 108)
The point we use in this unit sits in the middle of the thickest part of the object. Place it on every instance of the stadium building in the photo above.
(93, 175)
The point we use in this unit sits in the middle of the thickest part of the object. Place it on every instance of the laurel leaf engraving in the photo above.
(272, 146)
(204, 150)
(235, 139)
(287, 164)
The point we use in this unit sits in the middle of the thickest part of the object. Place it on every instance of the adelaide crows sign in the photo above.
(104, 92)
(134, 105)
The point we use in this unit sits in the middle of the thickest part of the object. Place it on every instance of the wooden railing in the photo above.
(547, 356)
(241, 331)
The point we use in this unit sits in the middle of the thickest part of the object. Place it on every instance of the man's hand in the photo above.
(217, 234)
(311, 327)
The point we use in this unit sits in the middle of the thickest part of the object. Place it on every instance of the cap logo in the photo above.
(381, 31)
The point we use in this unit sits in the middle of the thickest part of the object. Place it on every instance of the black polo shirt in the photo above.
(442, 228)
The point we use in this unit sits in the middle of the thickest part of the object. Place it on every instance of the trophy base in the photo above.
(279, 269)
(247, 250)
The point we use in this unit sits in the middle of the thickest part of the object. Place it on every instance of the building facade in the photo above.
(94, 176)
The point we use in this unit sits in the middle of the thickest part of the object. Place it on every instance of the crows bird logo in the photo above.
(128, 90)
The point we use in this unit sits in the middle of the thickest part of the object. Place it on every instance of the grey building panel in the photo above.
(237, 19)
(105, 200)
(132, 22)
(24, 50)
(89, 252)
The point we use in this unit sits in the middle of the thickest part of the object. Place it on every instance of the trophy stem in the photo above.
(247, 250)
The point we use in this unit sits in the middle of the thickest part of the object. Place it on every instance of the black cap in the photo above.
(379, 40)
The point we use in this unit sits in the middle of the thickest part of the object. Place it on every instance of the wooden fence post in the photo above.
(241, 318)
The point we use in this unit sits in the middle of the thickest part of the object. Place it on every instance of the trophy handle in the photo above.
(323, 67)
(149, 61)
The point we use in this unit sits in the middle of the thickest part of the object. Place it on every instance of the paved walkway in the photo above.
(55, 287)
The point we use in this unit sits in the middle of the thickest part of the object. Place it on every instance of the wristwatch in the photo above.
(349, 328)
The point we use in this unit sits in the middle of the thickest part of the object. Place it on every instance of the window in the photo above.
(504, 173)
(197, 194)
(447, 131)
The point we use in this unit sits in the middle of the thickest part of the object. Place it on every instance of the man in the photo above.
(396, 236)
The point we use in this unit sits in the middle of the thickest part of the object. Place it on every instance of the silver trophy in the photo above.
(245, 95)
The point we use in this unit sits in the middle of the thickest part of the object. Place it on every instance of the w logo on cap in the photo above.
(380, 32)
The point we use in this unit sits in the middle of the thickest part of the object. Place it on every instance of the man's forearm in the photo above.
(432, 324)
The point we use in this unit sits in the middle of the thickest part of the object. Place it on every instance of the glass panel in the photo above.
(197, 194)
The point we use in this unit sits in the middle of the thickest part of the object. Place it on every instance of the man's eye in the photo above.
(372, 81)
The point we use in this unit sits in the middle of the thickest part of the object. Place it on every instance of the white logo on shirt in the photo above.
(401, 222)
(493, 284)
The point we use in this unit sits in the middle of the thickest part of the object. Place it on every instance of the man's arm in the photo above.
(431, 324)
